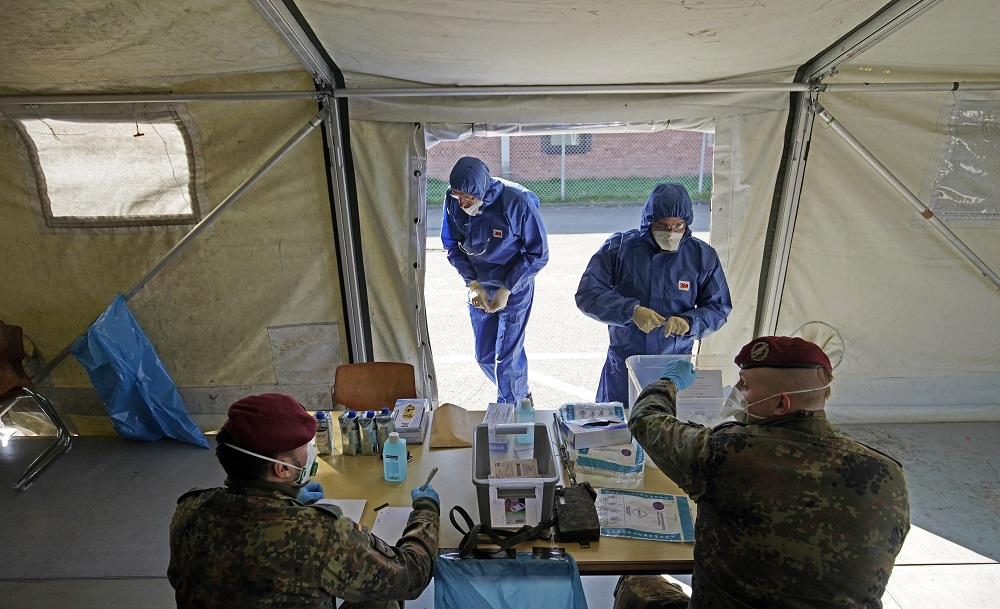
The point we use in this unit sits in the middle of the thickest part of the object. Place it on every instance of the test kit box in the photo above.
(513, 502)
(593, 424)
(410, 420)
(498, 414)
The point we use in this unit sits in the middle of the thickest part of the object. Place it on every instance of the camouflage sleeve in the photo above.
(363, 567)
(680, 450)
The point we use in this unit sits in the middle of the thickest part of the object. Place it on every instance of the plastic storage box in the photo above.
(514, 488)
(644, 369)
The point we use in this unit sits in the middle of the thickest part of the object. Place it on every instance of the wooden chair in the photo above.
(372, 385)
(16, 385)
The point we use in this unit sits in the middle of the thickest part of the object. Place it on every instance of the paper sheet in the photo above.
(352, 508)
(639, 515)
(515, 501)
(390, 522)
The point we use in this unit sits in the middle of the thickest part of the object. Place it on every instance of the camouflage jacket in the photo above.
(252, 544)
(790, 513)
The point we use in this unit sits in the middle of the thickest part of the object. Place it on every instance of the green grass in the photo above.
(592, 190)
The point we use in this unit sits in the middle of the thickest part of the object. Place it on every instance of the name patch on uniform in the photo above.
(498, 233)
(684, 285)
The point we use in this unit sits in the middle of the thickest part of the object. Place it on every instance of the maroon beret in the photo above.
(270, 423)
(782, 352)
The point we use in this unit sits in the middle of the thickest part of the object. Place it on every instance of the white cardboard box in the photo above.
(409, 419)
(592, 424)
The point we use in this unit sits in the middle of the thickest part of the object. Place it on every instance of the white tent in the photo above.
(305, 125)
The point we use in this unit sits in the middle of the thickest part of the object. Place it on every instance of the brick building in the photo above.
(598, 155)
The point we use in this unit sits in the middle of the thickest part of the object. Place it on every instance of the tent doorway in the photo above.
(590, 185)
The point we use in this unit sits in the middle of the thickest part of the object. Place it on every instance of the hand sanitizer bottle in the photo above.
(525, 413)
(394, 458)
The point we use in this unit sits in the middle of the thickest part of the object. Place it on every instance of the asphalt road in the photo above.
(565, 348)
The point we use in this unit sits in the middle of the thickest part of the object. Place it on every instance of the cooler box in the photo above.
(514, 491)
(693, 404)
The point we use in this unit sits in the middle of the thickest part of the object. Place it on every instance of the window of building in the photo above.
(576, 143)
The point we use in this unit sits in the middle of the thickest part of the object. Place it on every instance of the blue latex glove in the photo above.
(312, 491)
(680, 371)
(427, 492)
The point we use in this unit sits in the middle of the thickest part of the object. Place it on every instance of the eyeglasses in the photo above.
(666, 226)
(462, 197)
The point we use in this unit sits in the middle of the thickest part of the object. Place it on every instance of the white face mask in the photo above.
(667, 240)
(736, 405)
(473, 209)
(305, 472)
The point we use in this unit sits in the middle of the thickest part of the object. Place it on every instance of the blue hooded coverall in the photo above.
(505, 244)
(630, 269)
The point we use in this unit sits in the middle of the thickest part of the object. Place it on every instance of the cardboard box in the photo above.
(590, 424)
(409, 419)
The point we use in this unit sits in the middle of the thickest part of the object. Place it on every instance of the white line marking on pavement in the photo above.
(544, 379)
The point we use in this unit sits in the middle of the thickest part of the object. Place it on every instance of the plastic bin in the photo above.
(644, 369)
(540, 450)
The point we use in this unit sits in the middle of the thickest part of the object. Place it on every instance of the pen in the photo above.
(384, 505)
(429, 476)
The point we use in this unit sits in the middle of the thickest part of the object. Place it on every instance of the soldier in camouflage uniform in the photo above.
(790, 513)
(255, 543)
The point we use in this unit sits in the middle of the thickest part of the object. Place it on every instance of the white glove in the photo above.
(499, 300)
(478, 295)
(646, 319)
(676, 325)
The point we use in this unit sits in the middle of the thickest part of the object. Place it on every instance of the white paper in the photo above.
(707, 385)
(352, 508)
(514, 511)
(514, 468)
(390, 522)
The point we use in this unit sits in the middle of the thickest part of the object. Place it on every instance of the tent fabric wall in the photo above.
(747, 156)
(389, 161)
(916, 318)
(212, 314)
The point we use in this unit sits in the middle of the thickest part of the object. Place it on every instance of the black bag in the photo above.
(576, 514)
(474, 534)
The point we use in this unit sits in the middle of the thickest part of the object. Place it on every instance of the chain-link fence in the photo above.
(584, 167)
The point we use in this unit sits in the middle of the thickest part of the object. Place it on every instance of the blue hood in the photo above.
(666, 201)
(471, 176)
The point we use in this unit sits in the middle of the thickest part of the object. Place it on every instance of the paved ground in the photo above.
(565, 348)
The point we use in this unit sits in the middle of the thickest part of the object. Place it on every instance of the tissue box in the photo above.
(588, 425)
(409, 419)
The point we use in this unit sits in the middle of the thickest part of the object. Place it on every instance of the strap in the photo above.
(506, 540)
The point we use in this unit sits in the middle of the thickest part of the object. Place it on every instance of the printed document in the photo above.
(639, 515)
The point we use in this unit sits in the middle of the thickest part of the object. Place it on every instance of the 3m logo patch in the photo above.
(684, 285)
(498, 233)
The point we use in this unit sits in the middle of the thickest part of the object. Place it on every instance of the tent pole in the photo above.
(150, 98)
(922, 209)
(201, 226)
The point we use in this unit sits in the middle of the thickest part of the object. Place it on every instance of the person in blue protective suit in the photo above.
(495, 239)
(657, 287)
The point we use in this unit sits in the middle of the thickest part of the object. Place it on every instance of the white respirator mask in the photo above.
(667, 240)
(736, 405)
(305, 472)
(473, 209)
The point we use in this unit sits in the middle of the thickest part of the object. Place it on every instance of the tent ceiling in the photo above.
(560, 42)
(102, 45)
(951, 41)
